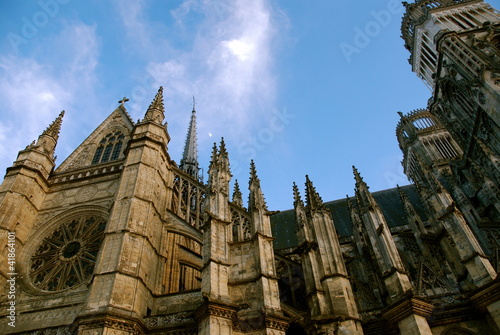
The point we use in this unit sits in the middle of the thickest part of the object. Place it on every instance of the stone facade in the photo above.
(119, 239)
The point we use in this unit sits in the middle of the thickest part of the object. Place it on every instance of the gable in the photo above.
(118, 121)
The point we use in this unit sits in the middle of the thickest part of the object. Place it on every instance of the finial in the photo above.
(237, 196)
(313, 199)
(54, 128)
(256, 198)
(357, 176)
(123, 101)
(194, 104)
(158, 100)
(297, 200)
(214, 154)
(253, 172)
(156, 110)
(222, 149)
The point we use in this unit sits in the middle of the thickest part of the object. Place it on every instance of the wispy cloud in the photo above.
(34, 92)
(227, 61)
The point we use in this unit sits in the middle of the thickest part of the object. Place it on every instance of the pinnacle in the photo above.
(213, 158)
(350, 206)
(220, 158)
(296, 196)
(54, 128)
(237, 196)
(253, 172)
(349, 202)
(313, 199)
(222, 149)
(256, 198)
(156, 109)
(236, 186)
(158, 100)
(358, 178)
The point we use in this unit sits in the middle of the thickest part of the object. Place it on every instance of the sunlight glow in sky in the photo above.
(300, 87)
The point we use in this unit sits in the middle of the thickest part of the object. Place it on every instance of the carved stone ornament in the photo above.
(63, 330)
(111, 325)
(86, 193)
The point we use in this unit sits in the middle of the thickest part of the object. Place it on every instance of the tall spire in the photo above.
(189, 161)
(55, 127)
(156, 111)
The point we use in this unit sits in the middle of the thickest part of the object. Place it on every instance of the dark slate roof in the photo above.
(284, 228)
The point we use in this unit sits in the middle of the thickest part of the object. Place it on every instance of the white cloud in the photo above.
(242, 50)
(226, 57)
(33, 92)
(137, 28)
(229, 66)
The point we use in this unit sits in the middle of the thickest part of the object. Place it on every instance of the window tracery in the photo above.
(109, 148)
(67, 257)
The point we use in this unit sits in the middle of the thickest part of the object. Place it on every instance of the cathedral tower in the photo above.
(119, 239)
(451, 149)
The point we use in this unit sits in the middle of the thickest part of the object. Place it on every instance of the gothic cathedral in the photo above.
(120, 239)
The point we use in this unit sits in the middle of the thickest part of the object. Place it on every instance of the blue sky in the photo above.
(300, 87)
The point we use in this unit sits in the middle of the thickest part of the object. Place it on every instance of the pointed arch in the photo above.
(109, 148)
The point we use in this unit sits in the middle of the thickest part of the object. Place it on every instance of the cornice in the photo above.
(406, 307)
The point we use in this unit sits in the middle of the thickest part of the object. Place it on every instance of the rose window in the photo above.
(67, 257)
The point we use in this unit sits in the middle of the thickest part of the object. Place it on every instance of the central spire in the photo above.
(189, 161)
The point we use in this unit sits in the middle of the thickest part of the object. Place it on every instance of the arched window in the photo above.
(109, 148)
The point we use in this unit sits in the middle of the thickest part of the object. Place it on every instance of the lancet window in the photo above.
(109, 148)
(187, 198)
(241, 225)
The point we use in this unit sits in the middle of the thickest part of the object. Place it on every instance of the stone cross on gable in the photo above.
(123, 101)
